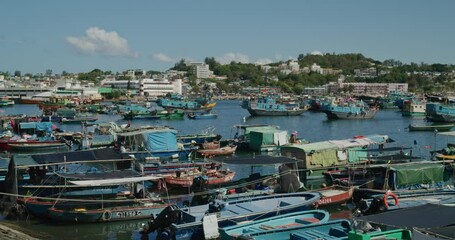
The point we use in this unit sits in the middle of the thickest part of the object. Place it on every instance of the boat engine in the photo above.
(376, 206)
(171, 214)
(215, 206)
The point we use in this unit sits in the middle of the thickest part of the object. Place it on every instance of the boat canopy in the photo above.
(264, 137)
(440, 215)
(114, 181)
(159, 139)
(92, 154)
(94, 174)
(257, 160)
(39, 126)
(408, 175)
(360, 141)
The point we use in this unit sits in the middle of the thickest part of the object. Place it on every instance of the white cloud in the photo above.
(236, 57)
(263, 61)
(316, 52)
(100, 41)
(163, 57)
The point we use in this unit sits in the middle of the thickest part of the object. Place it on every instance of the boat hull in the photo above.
(431, 128)
(266, 112)
(349, 115)
(246, 210)
(290, 220)
(104, 215)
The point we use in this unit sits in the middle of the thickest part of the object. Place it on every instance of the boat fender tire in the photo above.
(165, 234)
(106, 215)
(386, 197)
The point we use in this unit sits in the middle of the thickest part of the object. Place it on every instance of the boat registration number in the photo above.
(129, 214)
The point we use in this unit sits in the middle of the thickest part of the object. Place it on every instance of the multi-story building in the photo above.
(160, 87)
(147, 86)
(201, 70)
(363, 88)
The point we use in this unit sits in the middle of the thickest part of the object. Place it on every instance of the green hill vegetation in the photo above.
(420, 77)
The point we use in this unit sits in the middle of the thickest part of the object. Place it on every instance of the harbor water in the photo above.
(311, 126)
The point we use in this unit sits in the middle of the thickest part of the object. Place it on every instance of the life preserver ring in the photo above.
(386, 197)
(106, 215)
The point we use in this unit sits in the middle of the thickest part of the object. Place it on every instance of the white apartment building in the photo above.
(147, 86)
(201, 70)
(294, 66)
(363, 88)
(121, 84)
(160, 87)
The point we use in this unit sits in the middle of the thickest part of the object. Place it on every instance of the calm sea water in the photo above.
(310, 126)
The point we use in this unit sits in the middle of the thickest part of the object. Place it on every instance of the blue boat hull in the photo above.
(240, 210)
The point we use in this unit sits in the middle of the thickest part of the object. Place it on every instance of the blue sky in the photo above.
(78, 36)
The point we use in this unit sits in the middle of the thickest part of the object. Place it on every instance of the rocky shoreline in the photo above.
(9, 231)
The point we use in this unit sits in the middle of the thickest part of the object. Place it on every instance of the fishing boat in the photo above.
(269, 106)
(261, 138)
(348, 109)
(26, 147)
(199, 116)
(289, 220)
(6, 102)
(226, 150)
(414, 108)
(335, 229)
(438, 112)
(131, 115)
(171, 114)
(187, 223)
(431, 128)
(335, 195)
(172, 167)
(206, 135)
(211, 145)
(79, 118)
(139, 210)
(177, 102)
(154, 143)
(102, 190)
(211, 177)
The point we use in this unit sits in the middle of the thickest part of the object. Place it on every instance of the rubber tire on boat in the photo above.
(106, 215)
(165, 234)
(387, 195)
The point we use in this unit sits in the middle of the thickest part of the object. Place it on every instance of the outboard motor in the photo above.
(376, 206)
(171, 214)
(215, 206)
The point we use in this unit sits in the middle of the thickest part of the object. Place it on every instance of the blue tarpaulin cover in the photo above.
(159, 140)
(40, 126)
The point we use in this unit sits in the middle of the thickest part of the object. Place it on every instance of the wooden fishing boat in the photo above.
(211, 145)
(290, 220)
(197, 116)
(335, 195)
(6, 144)
(336, 229)
(119, 213)
(78, 120)
(227, 150)
(212, 177)
(36, 146)
(431, 128)
(187, 223)
(171, 114)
